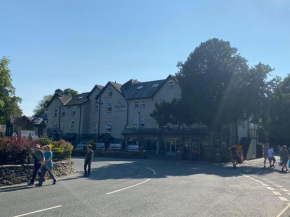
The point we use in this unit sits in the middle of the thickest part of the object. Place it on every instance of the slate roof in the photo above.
(64, 99)
(78, 99)
(117, 86)
(100, 87)
(147, 90)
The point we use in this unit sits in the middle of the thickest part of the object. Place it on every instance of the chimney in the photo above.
(58, 92)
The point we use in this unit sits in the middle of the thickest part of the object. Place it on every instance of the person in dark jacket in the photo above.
(88, 160)
(38, 161)
(284, 154)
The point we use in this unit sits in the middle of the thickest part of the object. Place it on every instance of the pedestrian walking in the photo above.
(38, 157)
(271, 157)
(266, 157)
(88, 160)
(47, 166)
(234, 155)
(284, 154)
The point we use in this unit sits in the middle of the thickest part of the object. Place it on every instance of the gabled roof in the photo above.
(33, 120)
(62, 99)
(78, 99)
(117, 86)
(100, 87)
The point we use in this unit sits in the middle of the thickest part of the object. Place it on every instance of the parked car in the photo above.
(133, 148)
(115, 147)
(80, 147)
(100, 146)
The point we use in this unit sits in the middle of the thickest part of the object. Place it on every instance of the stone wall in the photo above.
(17, 174)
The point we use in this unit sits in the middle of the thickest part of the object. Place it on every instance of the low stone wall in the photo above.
(17, 174)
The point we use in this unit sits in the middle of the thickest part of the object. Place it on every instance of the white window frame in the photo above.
(109, 107)
(135, 123)
(109, 127)
(142, 123)
(72, 125)
(73, 110)
(136, 104)
(171, 83)
(95, 128)
(97, 93)
(110, 92)
(62, 126)
(54, 125)
(143, 104)
(55, 112)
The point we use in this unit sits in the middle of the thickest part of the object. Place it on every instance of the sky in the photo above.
(77, 44)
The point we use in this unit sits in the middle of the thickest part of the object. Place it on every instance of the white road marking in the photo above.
(288, 193)
(151, 170)
(265, 179)
(246, 176)
(276, 193)
(265, 184)
(278, 186)
(283, 199)
(271, 189)
(129, 187)
(257, 180)
(283, 211)
(193, 168)
(283, 189)
(42, 210)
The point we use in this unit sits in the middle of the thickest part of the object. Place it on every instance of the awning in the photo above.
(106, 136)
(69, 136)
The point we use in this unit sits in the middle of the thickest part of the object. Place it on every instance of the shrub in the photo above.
(93, 144)
(44, 140)
(61, 146)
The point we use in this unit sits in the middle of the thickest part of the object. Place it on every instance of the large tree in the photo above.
(41, 107)
(8, 100)
(219, 88)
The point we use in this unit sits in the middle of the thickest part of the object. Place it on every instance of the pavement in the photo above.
(152, 187)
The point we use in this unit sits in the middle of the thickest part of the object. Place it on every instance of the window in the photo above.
(55, 112)
(178, 98)
(155, 85)
(73, 110)
(171, 84)
(139, 88)
(135, 123)
(97, 93)
(72, 124)
(142, 123)
(96, 108)
(143, 103)
(109, 127)
(54, 125)
(62, 126)
(109, 107)
(136, 104)
(110, 93)
(95, 127)
(63, 111)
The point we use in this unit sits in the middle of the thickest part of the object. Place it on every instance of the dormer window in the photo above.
(171, 84)
(110, 93)
(155, 85)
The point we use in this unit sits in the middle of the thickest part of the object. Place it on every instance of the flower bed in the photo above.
(18, 150)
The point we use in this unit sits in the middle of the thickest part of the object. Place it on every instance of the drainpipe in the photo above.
(138, 120)
(99, 121)
(80, 123)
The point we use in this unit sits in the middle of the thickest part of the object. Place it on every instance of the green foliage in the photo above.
(8, 100)
(41, 107)
(93, 144)
(44, 140)
(61, 146)
(70, 92)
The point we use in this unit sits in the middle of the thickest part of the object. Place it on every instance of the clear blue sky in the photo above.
(77, 44)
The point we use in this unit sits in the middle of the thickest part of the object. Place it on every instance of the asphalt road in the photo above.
(120, 187)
